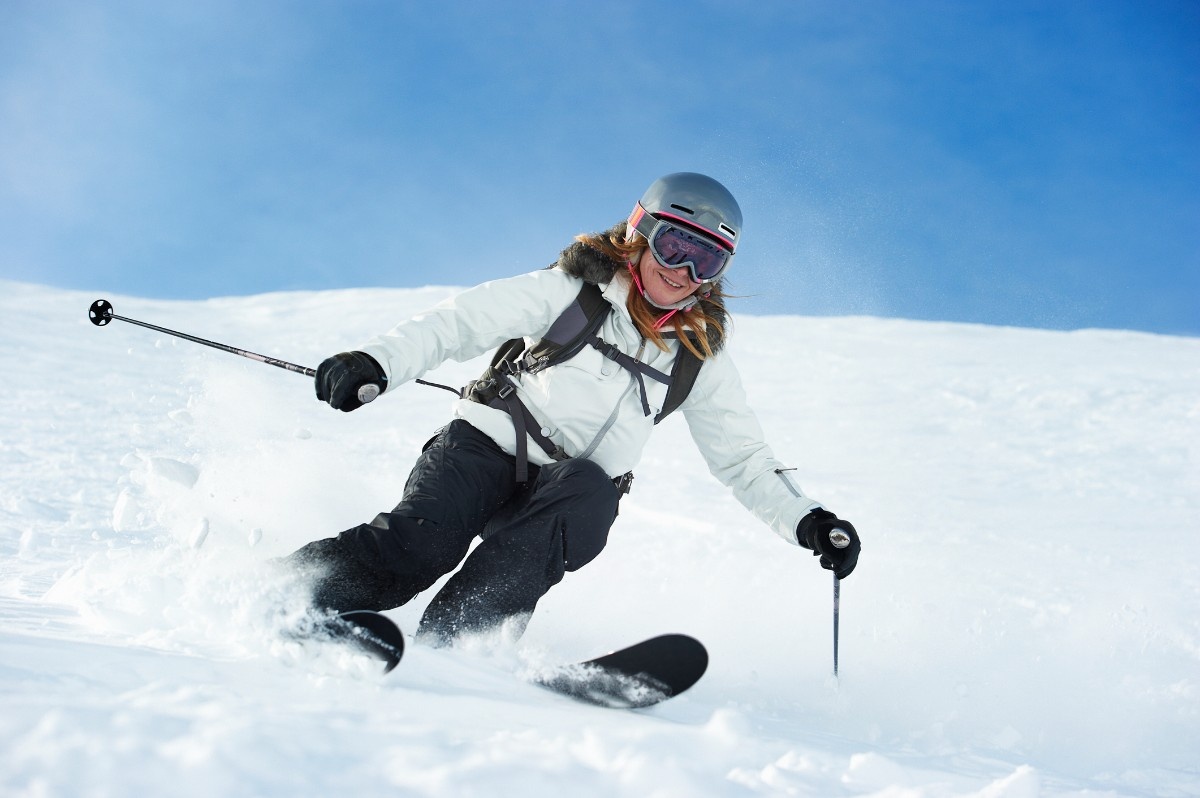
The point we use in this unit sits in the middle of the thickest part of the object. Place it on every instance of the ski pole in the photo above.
(101, 313)
(837, 609)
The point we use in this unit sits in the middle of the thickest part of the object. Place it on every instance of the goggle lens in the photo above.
(674, 247)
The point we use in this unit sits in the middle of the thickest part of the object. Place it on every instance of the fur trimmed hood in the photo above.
(593, 266)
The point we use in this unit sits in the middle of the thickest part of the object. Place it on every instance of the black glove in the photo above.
(349, 380)
(835, 540)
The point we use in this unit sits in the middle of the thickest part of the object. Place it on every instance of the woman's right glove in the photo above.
(349, 380)
(831, 538)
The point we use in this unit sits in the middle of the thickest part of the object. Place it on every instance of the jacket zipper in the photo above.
(612, 419)
(786, 481)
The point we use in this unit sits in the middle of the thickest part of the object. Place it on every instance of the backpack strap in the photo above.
(635, 367)
(575, 328)
(566, 337)
(525, 426)
(683, 377)
(570, 332)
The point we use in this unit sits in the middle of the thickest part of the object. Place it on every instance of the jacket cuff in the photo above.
(808, 526)
(380, 356)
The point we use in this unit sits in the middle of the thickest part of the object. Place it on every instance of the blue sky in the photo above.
(1021, 163)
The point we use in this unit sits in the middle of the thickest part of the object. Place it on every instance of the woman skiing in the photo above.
(626, 326)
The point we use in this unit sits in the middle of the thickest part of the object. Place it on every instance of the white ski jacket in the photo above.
(589, 405)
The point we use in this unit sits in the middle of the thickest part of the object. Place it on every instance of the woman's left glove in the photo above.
(834, 540)
(349, 380)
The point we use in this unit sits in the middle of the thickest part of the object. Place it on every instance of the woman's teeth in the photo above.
(667, 280)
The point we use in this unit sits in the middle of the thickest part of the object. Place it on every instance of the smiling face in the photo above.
(665, 286)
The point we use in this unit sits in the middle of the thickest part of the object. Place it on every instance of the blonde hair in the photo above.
(693, 327)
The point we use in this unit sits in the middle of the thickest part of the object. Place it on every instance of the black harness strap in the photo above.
(633, 366)
(524, 424)
(683, 377)
(576, 327)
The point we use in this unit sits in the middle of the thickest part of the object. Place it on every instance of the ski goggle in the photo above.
(674, 246)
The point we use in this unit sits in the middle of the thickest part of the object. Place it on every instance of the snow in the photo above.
(1025, 620)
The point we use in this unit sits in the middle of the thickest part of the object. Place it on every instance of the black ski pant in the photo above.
(463, 487)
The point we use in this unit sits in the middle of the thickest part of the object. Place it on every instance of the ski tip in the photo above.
(684, 649)
(376, 635)
(634, 677)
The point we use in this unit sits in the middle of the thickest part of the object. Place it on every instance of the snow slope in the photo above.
(1025, 619)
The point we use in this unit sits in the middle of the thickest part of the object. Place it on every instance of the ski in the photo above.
(634, 677)
(370, 633)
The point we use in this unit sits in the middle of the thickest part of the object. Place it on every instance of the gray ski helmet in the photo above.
(696, 200)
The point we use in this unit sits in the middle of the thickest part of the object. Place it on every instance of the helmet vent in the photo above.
(688, 211)
(727, 229)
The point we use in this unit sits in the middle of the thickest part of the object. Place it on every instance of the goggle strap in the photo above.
(642, 222)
